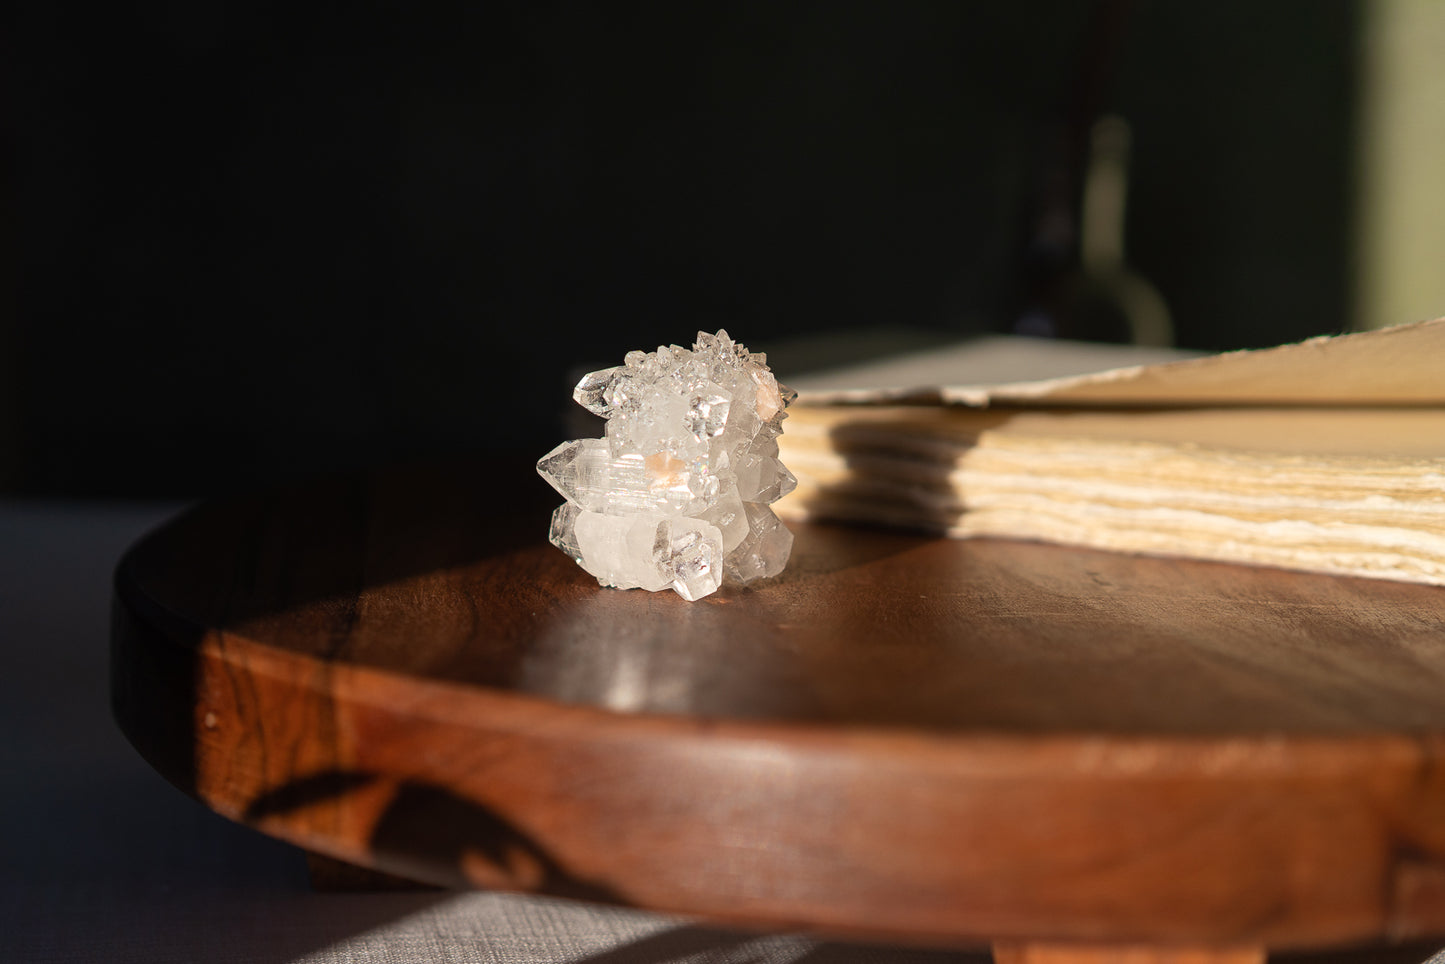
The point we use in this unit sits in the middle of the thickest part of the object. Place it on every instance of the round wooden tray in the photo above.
(899, 737)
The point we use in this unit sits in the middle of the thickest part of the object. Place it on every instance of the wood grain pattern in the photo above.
(900, 737)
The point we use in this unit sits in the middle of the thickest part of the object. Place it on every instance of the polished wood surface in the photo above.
(899, 737)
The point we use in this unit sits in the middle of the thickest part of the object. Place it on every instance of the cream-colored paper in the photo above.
(1327, 455)
(1404, 365)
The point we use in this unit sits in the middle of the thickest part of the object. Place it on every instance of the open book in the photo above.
(1328, 455)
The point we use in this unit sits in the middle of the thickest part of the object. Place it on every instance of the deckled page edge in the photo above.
(1237, 377)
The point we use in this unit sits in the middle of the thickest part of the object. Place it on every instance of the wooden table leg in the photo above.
(1030, 952)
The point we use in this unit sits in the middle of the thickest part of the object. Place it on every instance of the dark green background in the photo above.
(249, 241)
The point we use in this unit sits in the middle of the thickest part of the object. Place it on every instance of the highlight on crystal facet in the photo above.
(676, 493)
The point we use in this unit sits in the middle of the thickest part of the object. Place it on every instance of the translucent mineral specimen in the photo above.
(676, 494)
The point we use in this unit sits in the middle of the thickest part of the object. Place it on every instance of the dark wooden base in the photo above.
(329, 875)
(899, 738)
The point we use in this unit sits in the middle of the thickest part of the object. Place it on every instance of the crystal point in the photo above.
(676, 494)
(563, 533)
(765, 550)
(591, 392)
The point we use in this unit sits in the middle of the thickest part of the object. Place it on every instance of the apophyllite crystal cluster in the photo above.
(676, 494)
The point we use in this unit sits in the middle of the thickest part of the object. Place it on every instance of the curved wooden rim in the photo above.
(1225, 831)
(448, 702)
(1162, 815)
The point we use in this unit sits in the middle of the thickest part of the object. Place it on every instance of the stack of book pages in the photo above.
(1328, 455)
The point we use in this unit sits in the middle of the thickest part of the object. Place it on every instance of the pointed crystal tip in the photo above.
(676, 494)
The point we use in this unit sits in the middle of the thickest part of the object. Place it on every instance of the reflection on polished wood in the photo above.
(900, 737)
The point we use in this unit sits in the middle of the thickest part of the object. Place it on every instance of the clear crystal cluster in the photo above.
(676, 494)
